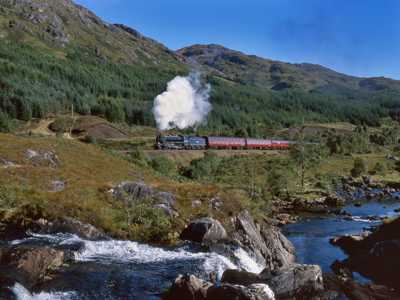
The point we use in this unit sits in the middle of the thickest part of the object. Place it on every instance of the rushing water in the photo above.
(126, 270)
(113, 270)
(311, 236)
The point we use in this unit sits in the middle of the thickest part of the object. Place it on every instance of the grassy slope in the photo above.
(90, 173)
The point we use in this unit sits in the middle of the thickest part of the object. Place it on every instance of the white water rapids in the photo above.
(111, 252)
(21, 293)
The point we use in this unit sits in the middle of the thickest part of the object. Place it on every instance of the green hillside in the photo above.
(55, 53)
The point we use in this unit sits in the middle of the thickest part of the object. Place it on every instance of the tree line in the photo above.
(34, 83)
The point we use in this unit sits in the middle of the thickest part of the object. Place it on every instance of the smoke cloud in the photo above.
(184, 104)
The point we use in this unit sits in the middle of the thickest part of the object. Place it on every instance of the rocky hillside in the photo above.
(58, 24)
(55, 53)
(250, 69)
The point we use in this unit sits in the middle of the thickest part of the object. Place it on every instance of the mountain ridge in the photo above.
(54, 53)
(62, 23)
(277, 75)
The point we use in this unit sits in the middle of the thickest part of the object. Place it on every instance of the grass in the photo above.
(89, 173)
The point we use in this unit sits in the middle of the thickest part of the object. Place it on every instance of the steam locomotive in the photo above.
(182, 142)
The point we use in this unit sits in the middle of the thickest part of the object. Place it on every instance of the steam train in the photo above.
(183, 142)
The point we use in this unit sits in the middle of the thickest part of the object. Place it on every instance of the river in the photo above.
(129, 270)
(311, 236)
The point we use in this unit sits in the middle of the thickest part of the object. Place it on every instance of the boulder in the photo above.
(205, 231)
(350, 289)
(133, 193)
(240, 277)
(58, 186)
(238, 292)
(300, 281)
(261, 291)
(374, 255)
(165, 198)
(187, 287)
(349, 243)
(196, 203)
(31, 265)
(216, 203)
(43, 158)
(367, 179)
(267, 245)
(69, 225)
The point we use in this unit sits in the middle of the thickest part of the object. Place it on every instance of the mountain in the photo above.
(62, 23)
(275, 75)
(55, 53)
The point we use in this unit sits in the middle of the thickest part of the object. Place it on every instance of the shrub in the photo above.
(5, 123)
(139, 157)
(359, 167)
(204, 168)
(90, 139)
(277, 181)
(149, 223)
(397, 166)
(164, 166)
(379, 168)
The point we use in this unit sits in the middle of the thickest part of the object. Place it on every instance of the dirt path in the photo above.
(40, 128)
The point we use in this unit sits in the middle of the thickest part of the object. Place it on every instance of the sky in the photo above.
(356, 37)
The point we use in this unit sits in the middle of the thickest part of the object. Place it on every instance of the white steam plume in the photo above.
(184, 104)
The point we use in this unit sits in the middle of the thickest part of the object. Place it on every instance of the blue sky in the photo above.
(357, 37)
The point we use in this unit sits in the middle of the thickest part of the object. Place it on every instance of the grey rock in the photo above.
(167, 210)
(6, 163)
(205, 231)
(133, 193)
(165, 198)
(392, 157)
(69, 225)
(238, 292)
(42, 158)
(240, 277)
(367, 179)
(267, 245)
(216, 203)
(31, 265)
(295, 281)
(58, 186)
(196, 203)
(187, 287)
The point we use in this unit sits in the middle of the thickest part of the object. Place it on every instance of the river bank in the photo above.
(113, 269)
